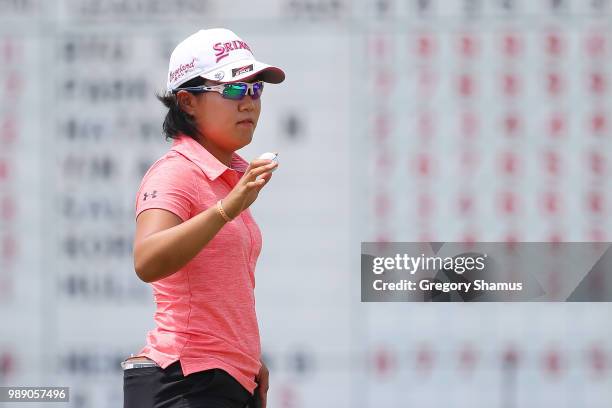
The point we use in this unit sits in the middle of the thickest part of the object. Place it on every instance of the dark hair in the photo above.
(178, 121)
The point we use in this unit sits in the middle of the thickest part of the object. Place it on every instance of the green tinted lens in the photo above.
(234, 91)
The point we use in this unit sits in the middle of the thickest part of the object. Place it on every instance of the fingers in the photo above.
(262, 389)
(256, 164)
(252, 174)
(257, 183)
(260, 182)
(266, 178)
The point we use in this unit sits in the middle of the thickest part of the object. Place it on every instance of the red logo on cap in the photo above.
(181, 70)
(241, 70)
(223, 49)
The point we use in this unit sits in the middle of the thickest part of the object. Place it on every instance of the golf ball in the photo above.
(270, 156)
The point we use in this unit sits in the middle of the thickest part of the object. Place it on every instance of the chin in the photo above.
(242, 142)
(244, 138)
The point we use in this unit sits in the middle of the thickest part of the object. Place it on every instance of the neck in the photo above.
(223, 156)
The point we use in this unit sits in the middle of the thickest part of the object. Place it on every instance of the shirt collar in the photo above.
(210, 165)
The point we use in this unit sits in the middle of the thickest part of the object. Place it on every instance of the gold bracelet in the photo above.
(222, 211)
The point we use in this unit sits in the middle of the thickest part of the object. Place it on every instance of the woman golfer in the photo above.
(196, 242)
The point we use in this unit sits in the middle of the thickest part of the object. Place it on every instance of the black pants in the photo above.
(155, 387)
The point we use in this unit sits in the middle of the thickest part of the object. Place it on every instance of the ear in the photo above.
(186, 101)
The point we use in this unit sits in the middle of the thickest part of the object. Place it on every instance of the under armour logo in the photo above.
(147, 195)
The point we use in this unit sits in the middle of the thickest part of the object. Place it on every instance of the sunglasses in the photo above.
(235, 90)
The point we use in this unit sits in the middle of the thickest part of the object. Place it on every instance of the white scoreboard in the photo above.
(414, 120)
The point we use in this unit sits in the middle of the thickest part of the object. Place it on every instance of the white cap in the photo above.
(219, 55)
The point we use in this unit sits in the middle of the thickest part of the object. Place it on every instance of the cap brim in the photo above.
(240, 70)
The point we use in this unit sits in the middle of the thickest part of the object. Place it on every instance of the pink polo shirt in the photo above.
(205, 313)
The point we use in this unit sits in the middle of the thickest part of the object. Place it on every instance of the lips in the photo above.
(246, 121)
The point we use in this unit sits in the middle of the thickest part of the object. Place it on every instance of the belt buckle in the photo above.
(127, 364)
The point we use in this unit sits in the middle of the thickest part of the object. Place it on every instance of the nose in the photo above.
(246, 104)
